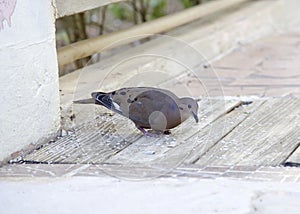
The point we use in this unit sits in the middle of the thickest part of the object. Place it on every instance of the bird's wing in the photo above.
(151, 101)
(106, 100)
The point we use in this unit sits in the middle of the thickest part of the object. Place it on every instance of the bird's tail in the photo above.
(97, 98)
(85, 101)
(103, 99)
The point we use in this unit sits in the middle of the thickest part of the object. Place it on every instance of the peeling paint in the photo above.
(7, 8)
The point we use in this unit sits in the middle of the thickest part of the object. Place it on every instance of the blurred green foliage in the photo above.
(119, 11)
(98, 21)
(146, 9)
(158, 8)
(189, 3)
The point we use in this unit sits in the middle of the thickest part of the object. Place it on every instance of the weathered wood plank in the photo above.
(40, 170)
(294, 158)
(255, 134)
(69, 7)
(195, 146)
(94, 141)
(21, 171)
(146, 151)
(266, 137)
(102, 138)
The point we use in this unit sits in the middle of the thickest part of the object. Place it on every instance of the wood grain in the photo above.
(146, 151)
(266, 137)
(106, 136)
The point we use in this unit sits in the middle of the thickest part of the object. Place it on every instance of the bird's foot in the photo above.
(167, 132)
(148, 133)
(151, 134)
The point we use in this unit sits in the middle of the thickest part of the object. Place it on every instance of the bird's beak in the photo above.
(195, 116)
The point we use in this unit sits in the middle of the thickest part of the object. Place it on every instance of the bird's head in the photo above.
(189, 107)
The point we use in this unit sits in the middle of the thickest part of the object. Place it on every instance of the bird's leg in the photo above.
(142, 130)
(146, 133)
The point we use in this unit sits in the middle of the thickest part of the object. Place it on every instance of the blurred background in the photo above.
(110, 18)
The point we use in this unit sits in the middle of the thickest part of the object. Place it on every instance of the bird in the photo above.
(147, 107)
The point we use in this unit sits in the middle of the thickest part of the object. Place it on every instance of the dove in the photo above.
(147, 107)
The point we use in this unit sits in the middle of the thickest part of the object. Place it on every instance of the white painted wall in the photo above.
(28, 76)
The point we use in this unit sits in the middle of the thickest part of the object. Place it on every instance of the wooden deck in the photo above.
(235, 136)
(231, 133)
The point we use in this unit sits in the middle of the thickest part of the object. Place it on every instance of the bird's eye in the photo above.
(189, 106)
